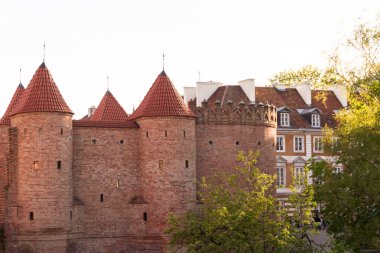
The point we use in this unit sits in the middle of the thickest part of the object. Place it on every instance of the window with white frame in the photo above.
(284, 119)
(315, 120)
(337, 169)
(281, 177)
(298, 144)
(280, 145)
(318, 144)
(298, 175)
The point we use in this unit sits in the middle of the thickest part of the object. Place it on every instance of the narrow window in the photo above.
(280, 144)
(40, 130)
(160, 164)
(284, 119)
(93, 141)
(59, 164)
(166, 133)
(280, 177)
(298, 144)
(146, 134)
(121, 141)
(101, 198)
(187, 163)
(259, 143)
(35, 164)
(237, 143)
(145, 216)
(31, 216)
(318, 144)
(61, 130)
(210, 142)
(71, 215)
(184, 133)
(299, 176)
(117, 183)
(315, 120)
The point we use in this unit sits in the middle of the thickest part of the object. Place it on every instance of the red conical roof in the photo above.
(162, 100)
(41, 95)
(5, 120)
(109, 109)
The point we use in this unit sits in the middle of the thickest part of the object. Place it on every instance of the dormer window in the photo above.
(284, 119)
(315, 120)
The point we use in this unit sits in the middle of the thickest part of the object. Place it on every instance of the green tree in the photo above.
(351, 199)
(238, 214)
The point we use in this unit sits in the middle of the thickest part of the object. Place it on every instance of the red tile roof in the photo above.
(162, 100)
(109, 110)
(328, 106)
(41, 95)
(105, 124)
(289, 98)
(228, 93)
(5, 120)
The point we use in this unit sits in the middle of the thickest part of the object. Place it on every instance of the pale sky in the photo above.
(227, 41)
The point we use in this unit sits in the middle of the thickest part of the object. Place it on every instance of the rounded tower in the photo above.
(167, 154)
(41, 156)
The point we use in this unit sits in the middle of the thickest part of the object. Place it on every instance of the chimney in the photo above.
(91, 110)
(305, 91)
(189, 93)
(205, 89)
(248, 87)
(340, 92)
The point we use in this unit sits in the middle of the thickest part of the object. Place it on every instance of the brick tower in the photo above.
(167, 153)
(40, 168)
(5, 123)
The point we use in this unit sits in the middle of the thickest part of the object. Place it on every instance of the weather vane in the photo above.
(20, 74)
(163, 61)
(108, 78)
(44, 54)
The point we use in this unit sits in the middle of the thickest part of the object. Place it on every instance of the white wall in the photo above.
(205, 89)
(305, 91)
(248, 87)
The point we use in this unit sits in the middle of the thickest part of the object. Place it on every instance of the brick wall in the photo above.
(217, 146)
(42, 189)
(105, 180)
(168, 181)
(3, 150)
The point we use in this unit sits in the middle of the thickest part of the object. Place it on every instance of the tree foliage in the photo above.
(351, 199)
(239, 214)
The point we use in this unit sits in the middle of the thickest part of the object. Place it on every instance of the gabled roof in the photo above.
(162, 100)
(299, 160)
(227, 93)
(41, 95)
(109, 110)
(5, 120)
(280, 159)
(283, 109)
(309, 111)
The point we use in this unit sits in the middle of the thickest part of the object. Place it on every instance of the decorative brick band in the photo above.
(241, 114)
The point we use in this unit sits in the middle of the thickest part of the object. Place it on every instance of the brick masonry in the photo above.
(116, 186)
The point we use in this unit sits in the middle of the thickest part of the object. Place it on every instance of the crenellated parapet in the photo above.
(237, 114)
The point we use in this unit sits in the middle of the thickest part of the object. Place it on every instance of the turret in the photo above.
(40, 160)
(4, 126)
(167, 153)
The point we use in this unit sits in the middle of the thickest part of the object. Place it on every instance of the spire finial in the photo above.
(108, 78)
(199, 75)
(163, 61)
(44, 53)
(20, 74)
